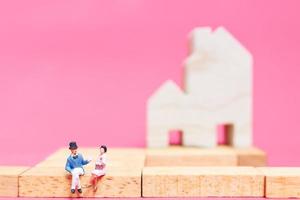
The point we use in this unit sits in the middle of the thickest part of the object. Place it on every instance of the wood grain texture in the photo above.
(217, 156)
(9, 176)
(251, 156)
(191, 156)
(202, 182)
(122, 179)
(282, 182)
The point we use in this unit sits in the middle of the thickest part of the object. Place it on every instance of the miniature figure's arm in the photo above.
(84, 162)
(68, 167)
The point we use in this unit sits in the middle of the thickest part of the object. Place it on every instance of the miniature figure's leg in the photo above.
(92, 180)
(75, 178)
(96, 176)
(95, 183)
(79, 174)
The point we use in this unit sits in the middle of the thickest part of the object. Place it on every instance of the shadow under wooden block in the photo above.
(191, 156)
(251, 156)
(9, 176)
(281, 182)
(123, 177)
(202, 182)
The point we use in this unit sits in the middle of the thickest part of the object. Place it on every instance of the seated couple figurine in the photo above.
(75, 163)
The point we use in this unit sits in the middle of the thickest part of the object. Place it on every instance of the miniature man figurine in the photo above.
(74, 165)
(100, 165)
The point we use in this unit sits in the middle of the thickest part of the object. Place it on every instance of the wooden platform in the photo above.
(9, 176)
(49, 179)
(218, 156)
(164, 172)
(251, 156)
(282, 182)
(202, 182)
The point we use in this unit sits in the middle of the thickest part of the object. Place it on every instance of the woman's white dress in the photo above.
(100, 165)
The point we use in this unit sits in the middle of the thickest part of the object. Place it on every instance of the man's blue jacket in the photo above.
(74, 162)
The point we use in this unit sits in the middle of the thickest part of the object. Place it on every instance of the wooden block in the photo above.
(123, 177)
(218, 77)
(251, 156)
(202, 182)
(163, 114)
(55, 182)
(217, 91)
(9, 180)
(282, 182)
(116, 157)
(189, 156)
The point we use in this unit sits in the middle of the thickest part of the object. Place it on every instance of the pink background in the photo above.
(83, 70)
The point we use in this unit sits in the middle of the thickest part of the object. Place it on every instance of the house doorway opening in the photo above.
(225, 134)
(175, 137)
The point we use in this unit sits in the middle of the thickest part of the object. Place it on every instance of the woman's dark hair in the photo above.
(104, 147)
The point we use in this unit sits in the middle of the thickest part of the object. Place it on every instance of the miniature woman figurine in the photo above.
(74, 165)
(100, 166)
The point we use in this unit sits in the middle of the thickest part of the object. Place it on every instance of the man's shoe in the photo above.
(79, 190)
(72, 191)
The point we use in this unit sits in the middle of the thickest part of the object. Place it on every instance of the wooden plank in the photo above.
(55, 182)
(282, 182)
(123, 177)
(202, 182)
(9, 180)
(251, 156)
(191, 156)
(218, 156)
(116, 157)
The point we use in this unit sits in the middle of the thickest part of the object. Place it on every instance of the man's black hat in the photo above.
(73, 145)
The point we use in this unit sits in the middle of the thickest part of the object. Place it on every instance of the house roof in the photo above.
(166, 92)
(219, 44)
